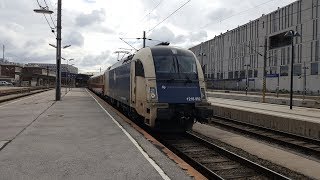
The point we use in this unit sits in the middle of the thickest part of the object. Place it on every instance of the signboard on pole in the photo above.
(272, 75)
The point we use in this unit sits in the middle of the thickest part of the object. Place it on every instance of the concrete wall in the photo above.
(291, 125)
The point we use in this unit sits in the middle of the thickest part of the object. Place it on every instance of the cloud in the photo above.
(93, 60)
(90, 1)
(162, 34)
(15, 27)
(93, 26)
(198, 36)
(220, 13)
(74, 38)
(96, 16)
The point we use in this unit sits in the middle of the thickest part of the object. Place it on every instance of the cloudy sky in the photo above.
(94, 27)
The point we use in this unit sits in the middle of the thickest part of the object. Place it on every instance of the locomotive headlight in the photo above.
(153, 93)
(203, 93)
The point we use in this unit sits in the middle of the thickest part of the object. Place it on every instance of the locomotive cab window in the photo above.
(139, 70)
(178, 66)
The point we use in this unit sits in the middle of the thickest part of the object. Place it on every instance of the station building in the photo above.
(68, 72)
(53, 67)
(238, 55)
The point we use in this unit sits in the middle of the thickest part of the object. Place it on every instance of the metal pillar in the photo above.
(291, 75)
(264, 88)
(305, 79)
(58, 54)
(144, 39)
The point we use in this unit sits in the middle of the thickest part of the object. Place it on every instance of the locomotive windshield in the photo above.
(175, 64)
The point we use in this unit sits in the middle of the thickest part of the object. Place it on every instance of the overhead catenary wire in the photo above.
(163, 19)
(169, 16)
(151, 10)
(273, 19)
(236, 14)
(50, 14)
(52, 28)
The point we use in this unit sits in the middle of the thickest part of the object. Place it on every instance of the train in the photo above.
(163, 86)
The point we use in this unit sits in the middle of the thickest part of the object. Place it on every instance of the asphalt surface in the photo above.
(72, 139)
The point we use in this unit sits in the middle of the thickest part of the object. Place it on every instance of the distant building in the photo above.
(228, 59)
(52, 67)
(37, 76)
(10, 73)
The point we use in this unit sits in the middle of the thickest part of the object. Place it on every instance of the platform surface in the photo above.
(73, 139)
(299, 113)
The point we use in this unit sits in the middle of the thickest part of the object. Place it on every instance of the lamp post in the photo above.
(291, 34)
(305, 80)
(67, 73)
(44, 10)
(247, 79)
(201, 62)
(64, 47)
(71, 78)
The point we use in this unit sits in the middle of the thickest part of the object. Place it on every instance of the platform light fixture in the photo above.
(45, 10)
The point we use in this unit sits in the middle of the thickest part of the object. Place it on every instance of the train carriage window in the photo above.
(139, 70)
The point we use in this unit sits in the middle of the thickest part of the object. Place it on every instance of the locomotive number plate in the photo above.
(193, 98)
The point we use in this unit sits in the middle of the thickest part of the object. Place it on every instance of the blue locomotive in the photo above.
(162, 85)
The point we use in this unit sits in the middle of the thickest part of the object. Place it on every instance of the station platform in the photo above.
(75, 139)
(299, 120)
(282, 99)
(261, 150)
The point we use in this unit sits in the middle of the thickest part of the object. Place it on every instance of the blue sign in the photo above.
(272, 75)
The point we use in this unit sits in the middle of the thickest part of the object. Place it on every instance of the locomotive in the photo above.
(162, 85)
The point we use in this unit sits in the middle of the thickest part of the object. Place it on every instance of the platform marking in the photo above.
(154, 164)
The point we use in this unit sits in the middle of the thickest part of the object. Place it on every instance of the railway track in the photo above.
(213, 161)
(298, 143)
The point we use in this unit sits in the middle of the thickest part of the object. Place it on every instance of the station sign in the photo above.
(272, 75)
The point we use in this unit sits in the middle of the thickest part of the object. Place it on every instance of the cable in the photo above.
(168, 16)
(151, 10)
(52, 28)
(238, 13)
(257, 25)
(50, 14)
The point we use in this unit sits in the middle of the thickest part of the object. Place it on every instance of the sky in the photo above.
(93, 28)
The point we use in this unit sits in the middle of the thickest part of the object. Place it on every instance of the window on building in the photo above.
(250, 73)
(311, 49)
(279, 40)
(297, 69)
(284, 70)
(300, 53)
(275, 59)
(288, 55)
(230, 75)
(314, 68)
(236, 74)
(255, 73)
(316, 56)
(273, 70)
(242, 74)
(212, 76)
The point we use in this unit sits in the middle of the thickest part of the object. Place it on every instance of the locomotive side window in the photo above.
(165, 64)
(187, 64)
(139, 68)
